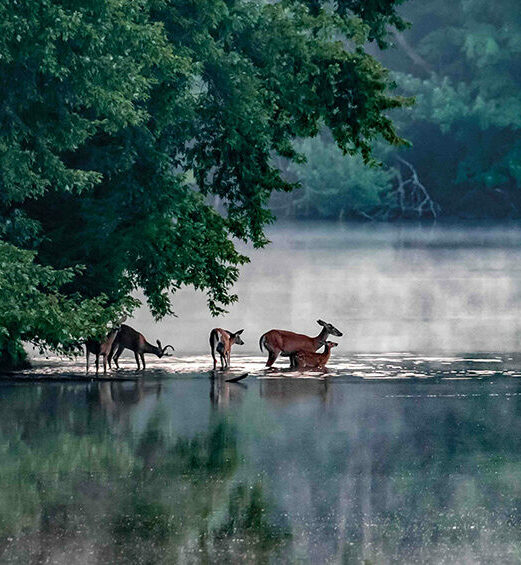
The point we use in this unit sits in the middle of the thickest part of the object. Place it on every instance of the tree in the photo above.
(334, 185)
(33, 309)
(120, 117)
(461, 61)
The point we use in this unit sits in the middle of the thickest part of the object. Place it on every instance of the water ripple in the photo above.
(386, 366)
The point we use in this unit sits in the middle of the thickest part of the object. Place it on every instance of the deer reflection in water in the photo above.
(117, 398)
(286, 391)
(223, 393)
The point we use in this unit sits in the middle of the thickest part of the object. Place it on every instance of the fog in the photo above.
(430, 288)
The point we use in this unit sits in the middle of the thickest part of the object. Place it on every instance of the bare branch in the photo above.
(411, 195)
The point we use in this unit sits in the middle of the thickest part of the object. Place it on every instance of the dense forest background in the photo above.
(461, 61)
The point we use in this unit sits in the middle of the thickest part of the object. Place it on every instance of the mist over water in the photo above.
(437, 288)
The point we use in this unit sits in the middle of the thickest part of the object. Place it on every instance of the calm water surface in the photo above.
(402, 454)
(384, 459)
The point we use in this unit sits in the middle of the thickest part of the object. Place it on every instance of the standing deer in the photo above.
(129, 338)
(101, 348)
(222, 341)
(308, 360)
(285, 342)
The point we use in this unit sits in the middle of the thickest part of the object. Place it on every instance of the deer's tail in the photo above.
(262, 341)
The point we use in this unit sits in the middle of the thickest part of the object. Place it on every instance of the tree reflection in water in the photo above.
(198, 470)
(78, 488)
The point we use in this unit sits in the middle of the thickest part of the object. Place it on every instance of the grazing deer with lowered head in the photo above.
(308, 360)
(222, 341)
(283, 342)
(102, 348)
(129, 338)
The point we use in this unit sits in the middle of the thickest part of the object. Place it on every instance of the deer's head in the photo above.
(161, 350)
(330, 328)
(236, 337)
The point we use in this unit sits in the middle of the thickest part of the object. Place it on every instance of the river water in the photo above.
(406, 450)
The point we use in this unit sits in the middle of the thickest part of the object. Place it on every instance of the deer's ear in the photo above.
(158, 344)
(239, 332)
(321, 323)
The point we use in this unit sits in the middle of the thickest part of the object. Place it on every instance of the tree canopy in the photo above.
(121, 118)
(461, 61)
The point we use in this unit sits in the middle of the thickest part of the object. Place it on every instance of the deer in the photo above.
(222, 341)
(284, 342)
(129, 338)
(102, 348)
(309, 360)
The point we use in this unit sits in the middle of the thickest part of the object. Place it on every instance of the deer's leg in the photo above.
(300, 362)
(272, 357)
(97, 362)
(214, 359)
(222, 361)
(228, 358)
(111, 354)
(87, 354)
(137, 359)
(104, 363)
(143, 360)
(118, 353)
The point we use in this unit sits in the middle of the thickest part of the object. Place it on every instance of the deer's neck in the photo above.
(149, 348)
(321, 337)
(326, 354)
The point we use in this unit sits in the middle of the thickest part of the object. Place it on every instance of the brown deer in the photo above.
(308, 360)
(222, 341)
(129, 338)
(283, 342)
(102, 348)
